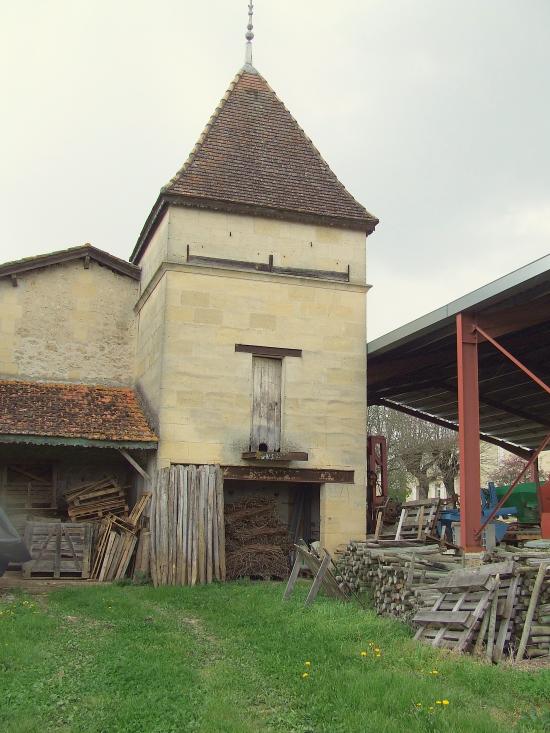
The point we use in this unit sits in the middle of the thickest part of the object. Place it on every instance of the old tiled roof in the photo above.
(83, 411)
(253, 154)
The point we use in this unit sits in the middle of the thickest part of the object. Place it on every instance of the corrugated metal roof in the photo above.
(414, 367)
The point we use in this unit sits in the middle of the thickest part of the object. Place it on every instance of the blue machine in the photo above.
(489, 500)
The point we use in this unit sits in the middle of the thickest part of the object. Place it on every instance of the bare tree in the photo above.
(416, 449)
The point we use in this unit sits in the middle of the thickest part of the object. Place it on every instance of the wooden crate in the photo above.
(58, 550)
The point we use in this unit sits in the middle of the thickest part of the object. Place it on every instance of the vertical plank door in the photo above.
(266, 403)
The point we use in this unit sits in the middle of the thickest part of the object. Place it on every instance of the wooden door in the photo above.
(266, 404)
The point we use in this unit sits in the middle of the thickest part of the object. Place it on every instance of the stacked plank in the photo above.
(116, 543)
(187, 526)
(258, 544)
(95, 500)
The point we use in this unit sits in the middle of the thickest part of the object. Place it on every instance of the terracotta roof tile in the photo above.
(254, 152)
(84, 411)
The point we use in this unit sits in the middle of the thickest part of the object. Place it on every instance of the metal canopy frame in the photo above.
(480, 366)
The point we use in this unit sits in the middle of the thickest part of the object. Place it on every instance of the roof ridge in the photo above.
(315, 148)
(206, 130)
(66, 255)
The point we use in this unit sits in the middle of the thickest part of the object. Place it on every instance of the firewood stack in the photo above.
(500, 609)
(400, 579)
(257, 543)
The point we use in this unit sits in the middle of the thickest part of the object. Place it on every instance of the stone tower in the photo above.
(252, 313)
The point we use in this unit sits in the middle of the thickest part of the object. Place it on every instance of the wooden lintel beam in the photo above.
(290, 475)
(275, 352)
(142, 472)
(273, 457)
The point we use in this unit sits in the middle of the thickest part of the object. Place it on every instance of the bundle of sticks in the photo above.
(96, 499)
(117, 541)
(257, 542)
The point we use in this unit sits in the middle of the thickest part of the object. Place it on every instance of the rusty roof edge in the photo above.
(77, 442)
(67, 255)
(485, 295)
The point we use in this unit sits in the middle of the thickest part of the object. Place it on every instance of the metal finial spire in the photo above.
(249, 34)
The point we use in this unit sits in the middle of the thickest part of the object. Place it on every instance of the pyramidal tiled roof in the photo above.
(253, 157)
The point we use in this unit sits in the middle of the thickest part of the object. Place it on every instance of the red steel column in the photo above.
(468, 421)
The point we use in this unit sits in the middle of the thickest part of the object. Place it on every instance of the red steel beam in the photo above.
(468, 432)
(530, 463)
(513, 359)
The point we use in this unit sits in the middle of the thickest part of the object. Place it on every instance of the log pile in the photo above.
(532, 607)
(499, 609)
(257, 542)
(399, 579)
(187, 529)
(95, 500)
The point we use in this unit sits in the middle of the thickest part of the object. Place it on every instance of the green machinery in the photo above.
(525, 498)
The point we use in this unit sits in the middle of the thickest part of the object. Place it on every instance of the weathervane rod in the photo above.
(249, 34)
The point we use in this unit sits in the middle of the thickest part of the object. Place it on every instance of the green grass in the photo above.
(230, 658)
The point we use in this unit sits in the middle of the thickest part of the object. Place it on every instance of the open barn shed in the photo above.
(479, 365)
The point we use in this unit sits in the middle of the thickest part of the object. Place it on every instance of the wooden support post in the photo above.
(142, 472)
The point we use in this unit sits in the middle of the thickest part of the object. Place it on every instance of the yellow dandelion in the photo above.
(434, 671)
(438, 702)
(305, 674)
(363, 654)
(444, 702)
(308, 664)
(418, 704)
(378, 654)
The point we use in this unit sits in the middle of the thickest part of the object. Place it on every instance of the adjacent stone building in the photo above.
(235, 335)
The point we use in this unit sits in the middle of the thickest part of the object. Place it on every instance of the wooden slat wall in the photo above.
(266, 403)
(187, 526)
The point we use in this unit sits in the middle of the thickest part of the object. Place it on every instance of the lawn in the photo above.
(234, 658)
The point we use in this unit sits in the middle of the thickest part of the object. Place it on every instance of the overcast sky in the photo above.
(434, 113)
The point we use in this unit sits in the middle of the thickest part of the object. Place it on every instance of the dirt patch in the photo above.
(13, 580)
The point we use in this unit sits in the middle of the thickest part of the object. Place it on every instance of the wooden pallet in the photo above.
(418, 519)
(95, 500)
(117, 541)
(58, 550)
(473, 606)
